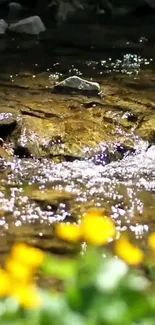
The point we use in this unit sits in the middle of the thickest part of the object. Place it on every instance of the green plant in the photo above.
(98, 288)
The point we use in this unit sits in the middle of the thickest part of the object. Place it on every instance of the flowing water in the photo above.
(125, 188)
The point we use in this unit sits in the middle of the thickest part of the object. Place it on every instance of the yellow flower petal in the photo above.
(97, 229)
(68, 231)
(18, 271)
(151, 241)
(29, 256)
(27, 296)
(129, 253)
(4, 283)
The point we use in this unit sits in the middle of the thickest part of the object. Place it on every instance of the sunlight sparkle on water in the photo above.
(118, 186)
(128, 64)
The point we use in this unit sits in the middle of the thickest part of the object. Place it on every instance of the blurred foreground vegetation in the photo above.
(96, 286)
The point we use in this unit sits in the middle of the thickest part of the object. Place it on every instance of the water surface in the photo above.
(125, 187)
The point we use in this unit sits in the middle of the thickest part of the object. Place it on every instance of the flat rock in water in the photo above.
(78, 85)
(32, 26)
(51, 197)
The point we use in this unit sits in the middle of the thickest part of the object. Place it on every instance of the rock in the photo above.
(77, 84)
(14, 11)
(67, 9)
(3, 26)
(6, 153)
(50, 197)
(32, 25)
(146, 129)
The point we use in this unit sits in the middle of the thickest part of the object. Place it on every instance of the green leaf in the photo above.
(110, 274)
(115, 313)
(136, 282)
(57, 311)
(151, 271)
(62, 269)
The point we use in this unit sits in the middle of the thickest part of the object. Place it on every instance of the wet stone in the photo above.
(52, 197)
(112, 152)
(6, 153)
(7, 118)
(76, 84)
(146, 129)
(31, 25)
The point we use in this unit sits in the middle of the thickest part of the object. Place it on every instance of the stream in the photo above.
(40, 189)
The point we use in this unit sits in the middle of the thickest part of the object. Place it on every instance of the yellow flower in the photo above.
(17, 271)
(32, 257)
(151, 241)
(4, 283)
(97, 229)
(16, 278)
(129, 253)
(69, 232)
(27, 296)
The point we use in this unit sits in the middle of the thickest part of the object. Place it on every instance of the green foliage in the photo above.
(97, 291)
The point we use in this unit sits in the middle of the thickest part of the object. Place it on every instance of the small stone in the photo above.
(77, 84)
(32, 25)
(3, 26)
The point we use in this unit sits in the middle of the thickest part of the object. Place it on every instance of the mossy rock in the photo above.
(51, 197)
(147, 129)
(42, 137)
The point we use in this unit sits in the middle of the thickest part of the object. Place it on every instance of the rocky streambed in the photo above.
(64, 153)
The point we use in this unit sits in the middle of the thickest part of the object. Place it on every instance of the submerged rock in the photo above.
(78, 85)
(50, 197)
(3, 26)
(32, 25)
